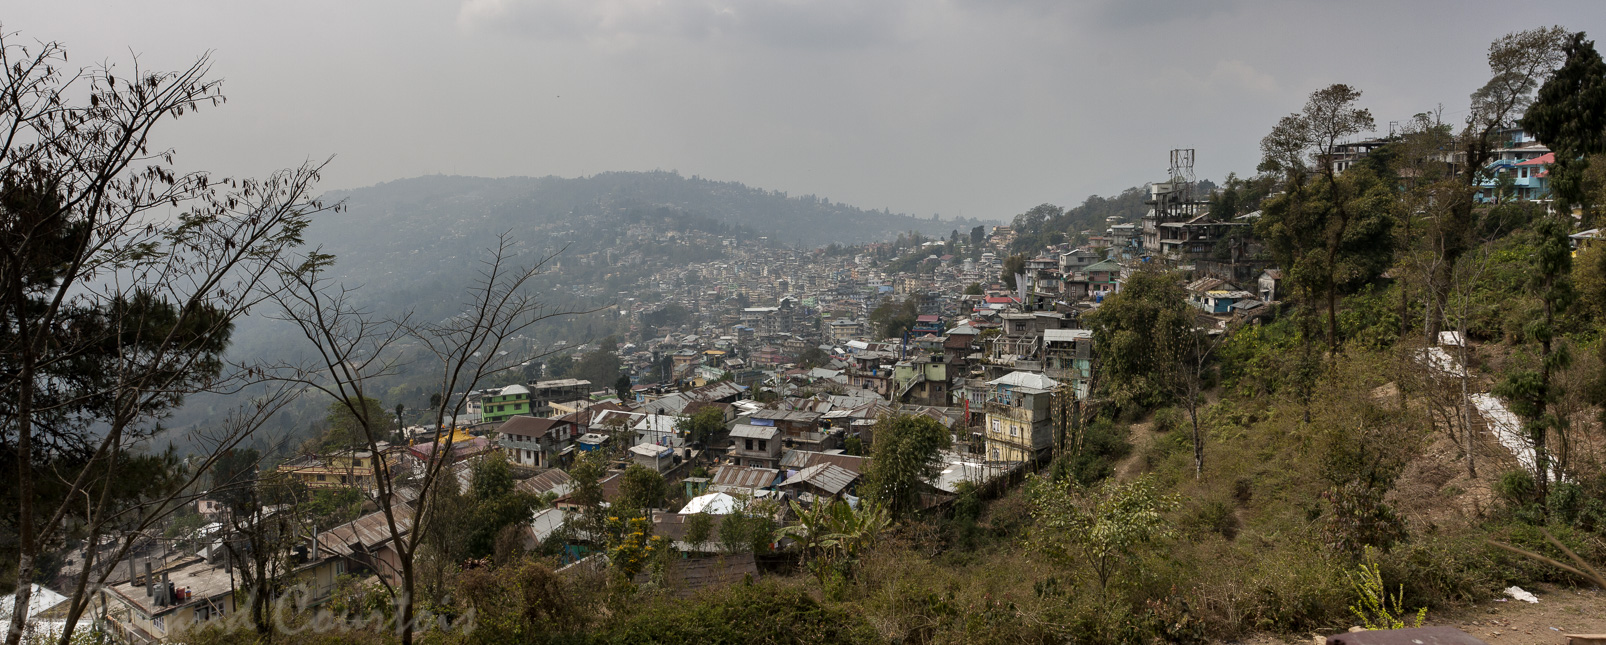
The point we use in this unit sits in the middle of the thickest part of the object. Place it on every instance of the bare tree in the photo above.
(354, 346)
(1518, 64)
(120, 281)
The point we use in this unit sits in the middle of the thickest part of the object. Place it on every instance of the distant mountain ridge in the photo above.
(508, 203)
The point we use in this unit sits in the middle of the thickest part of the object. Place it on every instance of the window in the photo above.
(749, 444)
(763, 445)
(1014, 431)
(320, 478)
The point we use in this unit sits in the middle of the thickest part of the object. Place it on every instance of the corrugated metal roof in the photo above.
(745, 431)
(365, 533)
(528, 426)
(827, 477)
(744, 476)
(801, 459)
(686, 576)
(787, 415)
(548, 481)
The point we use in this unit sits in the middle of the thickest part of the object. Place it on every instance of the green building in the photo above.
(511, 400)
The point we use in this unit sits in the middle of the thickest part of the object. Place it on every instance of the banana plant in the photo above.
(833, 534)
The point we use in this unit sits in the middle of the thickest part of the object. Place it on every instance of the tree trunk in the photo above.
(27, 543)
(1332, 315)
(1198, 442)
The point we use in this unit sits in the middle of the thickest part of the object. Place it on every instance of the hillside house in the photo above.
(756, 446)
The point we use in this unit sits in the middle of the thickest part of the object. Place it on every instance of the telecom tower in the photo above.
(1169, 202)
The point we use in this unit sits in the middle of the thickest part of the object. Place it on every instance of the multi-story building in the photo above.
(1068, 358)
(921, 380)
(534, 441)
(505, 404)
(1018, 426)
(343, 469)
(544, 393)
(755, 446)
(844, 330)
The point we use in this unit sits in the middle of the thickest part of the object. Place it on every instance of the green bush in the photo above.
(766, 612)
(1167, 419)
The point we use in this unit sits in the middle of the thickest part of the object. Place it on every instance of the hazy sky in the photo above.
(980, 108)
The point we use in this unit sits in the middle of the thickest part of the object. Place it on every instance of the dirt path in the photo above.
(1560, 611)
(1142, 437)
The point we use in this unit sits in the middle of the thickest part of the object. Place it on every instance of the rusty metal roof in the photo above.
(744, 476)
(686, 576)
(365, 533)
(553, 481)
(801, 459)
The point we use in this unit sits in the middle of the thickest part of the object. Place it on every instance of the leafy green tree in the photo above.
(974, 289)
(1136, 371)
(330, 507)
(345, 430)
(892, 318)
(1329, 232)
(560, 366)
(587, 472)
(978, 234)
(492, 477)
(703, 426)
(621, 386)
(751, 528)
(1518, 64)
(1569, 115)
(699, 530)
(1104, 528)
(601, 367)
(812, 356)
(1531, 392)
(641, 488)
(905, 454)
(491, 506)
(1013, 265)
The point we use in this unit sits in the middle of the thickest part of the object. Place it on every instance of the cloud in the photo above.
(784, 23)
(1237, 73)
(1128, 14)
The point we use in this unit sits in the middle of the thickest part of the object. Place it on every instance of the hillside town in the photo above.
(762, 396)
(1358, 396)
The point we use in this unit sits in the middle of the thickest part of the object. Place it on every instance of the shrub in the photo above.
(1374, 605)
(766, 612)
(1167, 419)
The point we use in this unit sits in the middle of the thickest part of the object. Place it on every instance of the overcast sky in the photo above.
(979, 108)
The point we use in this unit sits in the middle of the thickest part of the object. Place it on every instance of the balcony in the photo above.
(506, 442)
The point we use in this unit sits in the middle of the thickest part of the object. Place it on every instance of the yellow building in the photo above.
(1019, 425)
(345, 469)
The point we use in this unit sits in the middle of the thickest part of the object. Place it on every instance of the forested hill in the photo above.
(413, 245)
(473, 207)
